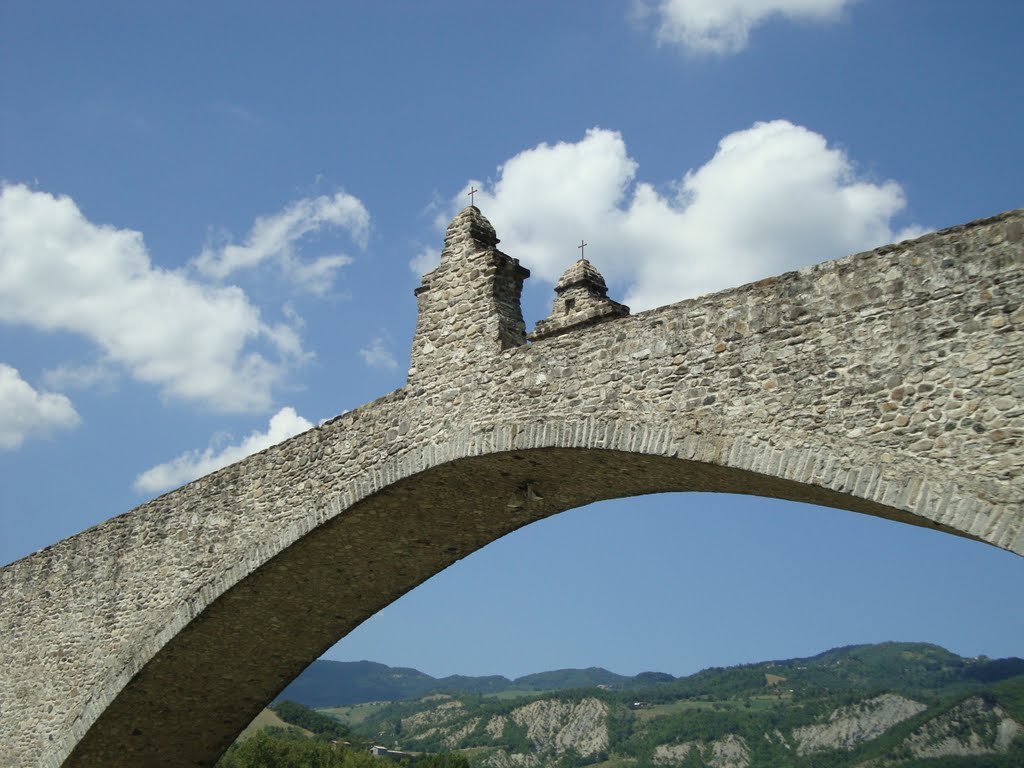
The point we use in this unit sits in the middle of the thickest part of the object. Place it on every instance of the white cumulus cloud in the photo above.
(773, 197)
(61, 272)
(724, 26)
(192, 464)
(277, 239)
(26, 413)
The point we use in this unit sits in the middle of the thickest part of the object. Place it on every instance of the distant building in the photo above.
(391, 754)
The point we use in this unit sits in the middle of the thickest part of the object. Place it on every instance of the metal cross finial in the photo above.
(472, 191)
(581, 246)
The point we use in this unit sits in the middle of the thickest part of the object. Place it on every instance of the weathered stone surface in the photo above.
(495, 727)
(554, 725)
(503, 759)
(728, 752)
(888, 383)
(973, 727)
(674, 754)
(849, 727)
(581, 300)
(468, 305)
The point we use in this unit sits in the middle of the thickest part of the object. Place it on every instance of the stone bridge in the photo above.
(888, 383)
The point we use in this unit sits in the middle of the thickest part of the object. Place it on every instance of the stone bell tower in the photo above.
(581, 300)
(469, 304)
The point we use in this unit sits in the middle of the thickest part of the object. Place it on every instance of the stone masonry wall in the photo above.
(468, 305)
(888, 383)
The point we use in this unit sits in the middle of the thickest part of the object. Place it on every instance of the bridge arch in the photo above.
(819, 386)
(232, 646)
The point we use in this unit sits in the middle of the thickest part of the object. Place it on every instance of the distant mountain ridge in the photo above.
(328, 683)
(891, 705)
(882, 666)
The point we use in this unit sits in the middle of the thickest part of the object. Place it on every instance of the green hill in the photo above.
(338, 683)
(905, 705)
(330, 683)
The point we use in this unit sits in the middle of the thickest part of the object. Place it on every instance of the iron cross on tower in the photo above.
(581, 246)
(472, 191)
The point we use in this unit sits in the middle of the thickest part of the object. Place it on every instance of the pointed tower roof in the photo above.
(584, 274)
(470, 224)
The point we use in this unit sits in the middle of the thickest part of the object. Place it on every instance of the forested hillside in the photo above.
(909, 705)
(334, 683)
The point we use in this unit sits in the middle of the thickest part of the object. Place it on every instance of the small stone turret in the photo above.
(581, 300)
(469, 304)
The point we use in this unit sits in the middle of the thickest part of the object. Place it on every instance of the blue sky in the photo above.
(213, 217)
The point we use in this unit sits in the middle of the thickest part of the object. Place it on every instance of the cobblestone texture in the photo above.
(888, 383)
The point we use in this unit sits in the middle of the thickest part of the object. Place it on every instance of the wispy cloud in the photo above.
(377, 355)
(278, 239)
(95, 376)
(426, 259)
(236, 112)
(26, 412)
(192, 464)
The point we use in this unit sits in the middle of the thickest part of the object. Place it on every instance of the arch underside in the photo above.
(206, 684)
